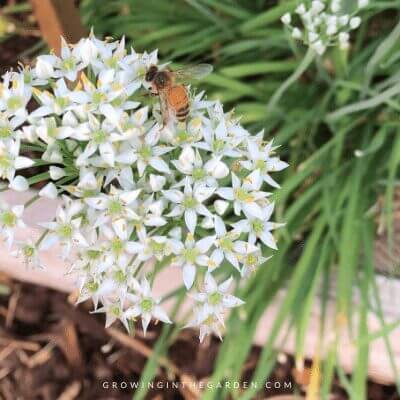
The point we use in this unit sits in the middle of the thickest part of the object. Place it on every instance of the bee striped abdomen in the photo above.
(182, 113)
(179, 102)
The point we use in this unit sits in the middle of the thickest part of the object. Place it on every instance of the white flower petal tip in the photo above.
(49, 191)
(19, 184)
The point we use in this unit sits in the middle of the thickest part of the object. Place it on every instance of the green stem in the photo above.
(305, 63)
(31, 201)
(42, 236)
(34, 147)
(365, 104)
(39, 178)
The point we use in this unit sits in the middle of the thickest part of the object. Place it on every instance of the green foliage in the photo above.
(337, 120)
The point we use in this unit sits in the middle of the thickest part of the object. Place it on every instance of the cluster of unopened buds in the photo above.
(324, 23)
(132, 190)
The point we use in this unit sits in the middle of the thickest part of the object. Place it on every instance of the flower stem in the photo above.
(31, 201)
(42, 236)
(305, 63)
(39, 178)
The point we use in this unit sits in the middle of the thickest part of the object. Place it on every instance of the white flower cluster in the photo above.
(132, 190)
(324, 24)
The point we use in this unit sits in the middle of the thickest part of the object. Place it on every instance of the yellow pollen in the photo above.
(247, 180)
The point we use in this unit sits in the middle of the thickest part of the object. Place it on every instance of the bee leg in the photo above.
(165, 117)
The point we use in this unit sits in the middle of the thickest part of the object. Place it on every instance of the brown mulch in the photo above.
(15, 45)
(51, 349)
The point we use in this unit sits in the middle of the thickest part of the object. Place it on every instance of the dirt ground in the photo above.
(51, 349)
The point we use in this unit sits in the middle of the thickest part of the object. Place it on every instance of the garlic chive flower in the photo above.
(134, 196)
(145, 305)
(10, 220)
(324, 23)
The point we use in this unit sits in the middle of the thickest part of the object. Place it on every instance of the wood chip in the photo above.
(72, 391)
(6, 352)
(4, 372)
(70, 344)
(39, 358)
(12, 305)
(20, 344)
(141, 348)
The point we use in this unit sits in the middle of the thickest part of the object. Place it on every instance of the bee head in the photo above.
(161, 79)
(151, 73)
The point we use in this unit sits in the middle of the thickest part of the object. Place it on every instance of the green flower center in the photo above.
(5, 132)
(242, 195)
(145, 152)
(115, 310)
(115, 207)
(119, 276)
(93, 254)
(98, 97)
(261, 165)
(62, 102)
(182, 137)
(218, 145)
(189, 202)
(157, 247)
(28, 251)
(52, 131)
(99, 136)
(68, 64)
(28, 77)
(65, 231)
(251, 259)
(191, 255)
(14, 102)
(5, 162)
(226, 244)
(198, 174)
(117, 246)
(146, 305)
(215, 298)
(92, 286)
(112, 62)
(117, 102)
(209, 320)
(8, 219)
(89, 193)
(258, 226)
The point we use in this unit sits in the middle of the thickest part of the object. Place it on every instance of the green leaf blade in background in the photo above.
(338, 125)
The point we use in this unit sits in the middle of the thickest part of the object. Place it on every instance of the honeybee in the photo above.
(170, 87)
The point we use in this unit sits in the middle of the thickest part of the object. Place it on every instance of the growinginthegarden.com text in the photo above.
(196, 385)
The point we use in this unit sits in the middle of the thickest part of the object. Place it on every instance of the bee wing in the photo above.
(198, 71)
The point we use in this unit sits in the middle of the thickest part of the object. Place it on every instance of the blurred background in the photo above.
(338, 128)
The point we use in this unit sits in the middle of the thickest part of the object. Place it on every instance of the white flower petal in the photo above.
(189, 273)
(23, 162)
(49, 191)
(161, 315)
(19, 184)
(221, 206)
(225, 193)
(191, 220)
(209, 283)
(159, 165)
(175, 196)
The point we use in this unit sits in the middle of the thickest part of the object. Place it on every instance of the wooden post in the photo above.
(58, 18)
